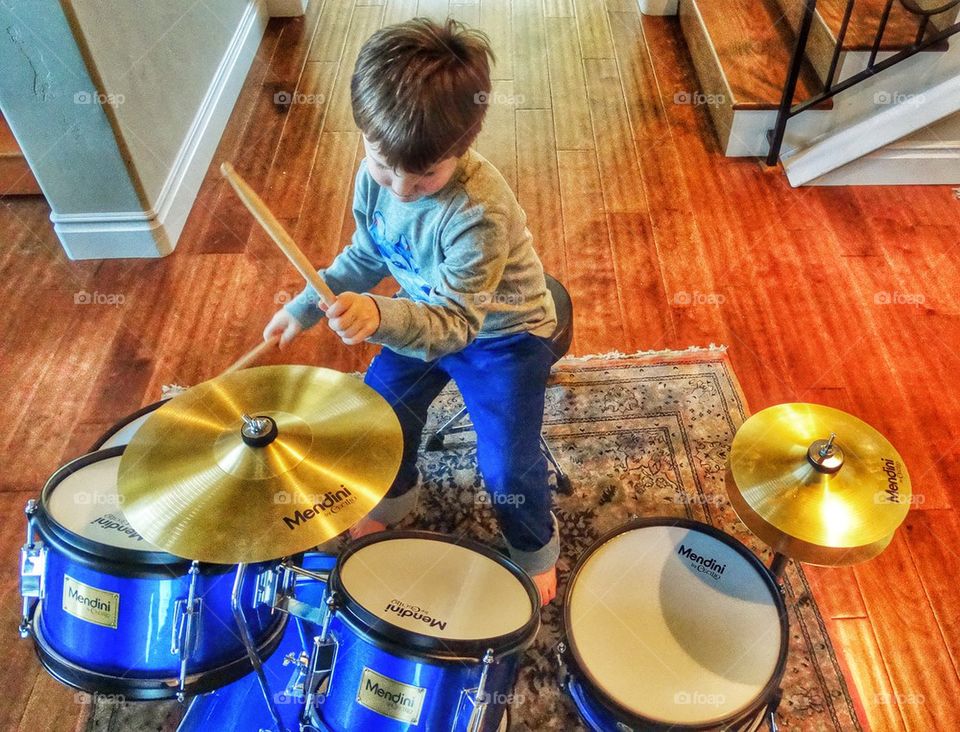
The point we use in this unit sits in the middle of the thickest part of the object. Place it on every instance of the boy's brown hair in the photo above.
(420, 91)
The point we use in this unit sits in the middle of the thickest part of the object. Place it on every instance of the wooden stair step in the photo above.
(16, 178)
(753, 48)
(900, 32)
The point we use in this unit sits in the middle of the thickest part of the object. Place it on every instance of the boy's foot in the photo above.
(366, 526)
(547, 585)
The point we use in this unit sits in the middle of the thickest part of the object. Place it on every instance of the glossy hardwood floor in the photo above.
(844, 296)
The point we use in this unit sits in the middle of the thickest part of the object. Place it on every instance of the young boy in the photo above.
(473, 304)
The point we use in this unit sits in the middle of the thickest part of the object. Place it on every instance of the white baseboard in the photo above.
(900, 164)
(287, 8)
(658, 7)
(154, 232)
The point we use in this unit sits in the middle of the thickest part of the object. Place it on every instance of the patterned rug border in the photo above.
(665, 354)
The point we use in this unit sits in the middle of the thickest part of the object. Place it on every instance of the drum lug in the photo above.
(33, 563)
(480, 699)
(186, 627)
(563, 674)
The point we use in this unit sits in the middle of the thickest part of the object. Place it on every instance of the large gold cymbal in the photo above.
(202, 481)
(811, 499)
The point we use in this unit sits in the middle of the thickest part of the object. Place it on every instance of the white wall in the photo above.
(160, 58)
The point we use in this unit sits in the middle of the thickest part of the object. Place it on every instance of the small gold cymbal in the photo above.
(812, 497)
(259, 464)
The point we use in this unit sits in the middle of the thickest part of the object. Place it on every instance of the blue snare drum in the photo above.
(111, 613)
(671, 624)
(427, 633)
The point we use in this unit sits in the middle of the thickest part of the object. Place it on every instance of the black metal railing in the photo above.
(924, 39)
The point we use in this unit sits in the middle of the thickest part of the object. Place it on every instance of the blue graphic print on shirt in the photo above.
(398, 256)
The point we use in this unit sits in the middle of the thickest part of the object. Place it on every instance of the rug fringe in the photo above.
(667, 353)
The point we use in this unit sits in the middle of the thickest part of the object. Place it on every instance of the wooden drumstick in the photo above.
(268, 221)
(253, 354)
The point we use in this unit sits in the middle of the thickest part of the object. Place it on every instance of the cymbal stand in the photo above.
(247, 639)
(779, 565)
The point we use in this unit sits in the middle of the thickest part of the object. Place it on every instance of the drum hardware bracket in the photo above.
(772, 711)
(186, 628)
(308, 573)
(267, 583)
(563, 675)
(481, 701)
(246, 638)
(314, 674)
(33, 563)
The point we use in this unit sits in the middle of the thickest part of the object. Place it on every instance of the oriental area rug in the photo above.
(639, 436)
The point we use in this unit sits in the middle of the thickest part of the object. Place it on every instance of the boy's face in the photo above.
(408, 187)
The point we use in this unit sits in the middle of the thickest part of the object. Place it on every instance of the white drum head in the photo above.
(86, 503)
(123, 435)
(436, 588)
(674, 625)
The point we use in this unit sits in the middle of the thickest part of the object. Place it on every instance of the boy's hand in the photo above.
(353, 317)
(284, 325)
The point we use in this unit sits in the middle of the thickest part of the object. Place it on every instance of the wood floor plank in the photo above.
(332, 31)
(397, 11)
(598, 315)
(437, 10)
(365, 21)
(538, 187)
(838, 595)
(864, 661)
(284, 188)
(619, 170)
(595, 38)
(530, 76)
(558, 8)
(466, 13)
(497, 141)
(909, 638)
(496, 20)
(934, 541)
(567, 86)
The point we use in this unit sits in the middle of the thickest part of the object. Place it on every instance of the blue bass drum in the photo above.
(113, 614)
(671, 624)
(427, 633)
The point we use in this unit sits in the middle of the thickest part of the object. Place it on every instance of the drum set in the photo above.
(183, 557)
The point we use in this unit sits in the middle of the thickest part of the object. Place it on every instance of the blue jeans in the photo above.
(502, 381)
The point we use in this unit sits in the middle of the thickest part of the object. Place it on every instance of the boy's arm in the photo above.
(476, 251)
(358, 268)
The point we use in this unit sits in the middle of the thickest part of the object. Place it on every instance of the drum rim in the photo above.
(390, 637)
(151, 688)
(95, 554)
(613, 706)
(111, 431)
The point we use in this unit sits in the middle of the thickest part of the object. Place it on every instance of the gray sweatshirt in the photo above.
(463, 257)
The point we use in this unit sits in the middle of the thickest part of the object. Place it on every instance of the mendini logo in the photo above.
(330, 503)
(413, 611)
(706, 565)
(892, 470)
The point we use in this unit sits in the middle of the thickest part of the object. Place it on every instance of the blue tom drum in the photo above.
(113, 614)
(427, 633)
